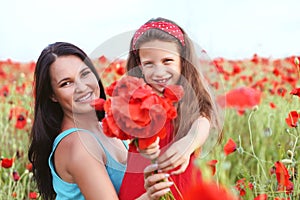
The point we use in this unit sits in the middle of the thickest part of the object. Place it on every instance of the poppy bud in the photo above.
(296, 61)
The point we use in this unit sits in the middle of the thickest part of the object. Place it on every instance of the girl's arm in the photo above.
(178, 154)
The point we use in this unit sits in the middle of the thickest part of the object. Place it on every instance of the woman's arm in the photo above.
(178, 154)
(89, 172)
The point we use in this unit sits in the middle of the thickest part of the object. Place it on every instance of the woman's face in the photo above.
(160, 63)
(74, 85)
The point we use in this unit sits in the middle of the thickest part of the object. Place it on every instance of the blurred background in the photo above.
(232, 29)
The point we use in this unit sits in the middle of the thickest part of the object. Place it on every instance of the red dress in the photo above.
(133, 182)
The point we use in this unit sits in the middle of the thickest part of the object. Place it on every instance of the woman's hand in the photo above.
(156, 184)
(152, 151)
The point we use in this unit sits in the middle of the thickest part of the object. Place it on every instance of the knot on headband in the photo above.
(167, 27)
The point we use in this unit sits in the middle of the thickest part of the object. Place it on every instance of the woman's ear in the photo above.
(53, 98)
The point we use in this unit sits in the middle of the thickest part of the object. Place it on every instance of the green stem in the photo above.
(252, 146)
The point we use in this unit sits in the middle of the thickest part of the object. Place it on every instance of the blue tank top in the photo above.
(67, 191)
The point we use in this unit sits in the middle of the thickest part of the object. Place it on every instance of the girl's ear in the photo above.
(53, 98)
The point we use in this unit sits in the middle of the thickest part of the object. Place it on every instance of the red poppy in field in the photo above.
(4, 91)
(102, 59)
(212, 165)
(281, 198)
(242, 186)
(19, 114)
(16, 176)
(29, 167)
(295, 91)
(272, 105)
(208, 191)
(32, 195)
(283, 177)
(240, 98)
(281, 91)
(230, 147)
(261, 197)
(292, 119)
(7, 162)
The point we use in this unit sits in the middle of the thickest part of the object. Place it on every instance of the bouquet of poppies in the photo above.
(135, 111)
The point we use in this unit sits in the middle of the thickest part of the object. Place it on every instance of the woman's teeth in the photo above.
(84, 98)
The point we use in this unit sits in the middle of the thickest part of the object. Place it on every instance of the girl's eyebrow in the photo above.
(64, 79)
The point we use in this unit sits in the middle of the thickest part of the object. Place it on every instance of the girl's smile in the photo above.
(160, 63)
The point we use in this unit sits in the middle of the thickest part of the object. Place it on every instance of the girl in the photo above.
(72, 158)
(162, 54)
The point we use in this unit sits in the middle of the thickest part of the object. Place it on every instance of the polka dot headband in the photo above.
(167, 27)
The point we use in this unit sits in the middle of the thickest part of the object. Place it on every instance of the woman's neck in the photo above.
(83, 121)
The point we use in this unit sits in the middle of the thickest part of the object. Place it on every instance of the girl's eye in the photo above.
(168, 61)
(147, 65)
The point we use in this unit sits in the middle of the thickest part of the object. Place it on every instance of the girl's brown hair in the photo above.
(198, 99)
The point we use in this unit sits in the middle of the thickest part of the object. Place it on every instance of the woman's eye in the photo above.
(85, 73)
(65, 84)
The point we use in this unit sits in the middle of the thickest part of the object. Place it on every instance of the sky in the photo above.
(233, 29)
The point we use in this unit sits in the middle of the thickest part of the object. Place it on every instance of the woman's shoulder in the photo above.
(80, 144)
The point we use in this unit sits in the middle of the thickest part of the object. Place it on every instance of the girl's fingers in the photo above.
(150, 169)
(181, 169)
(159, 193)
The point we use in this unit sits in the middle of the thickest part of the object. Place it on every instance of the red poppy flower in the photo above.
(241, 186)
(296, 92)
(32, 195)
(292, 119)
(173, 92)
(283, 177)
(4, 91)
(261, 197)
(208, 191)
(29, 167)
(229, 147)
(136, 111)
(240, 98)
(212, 165)
(6, 162)
(98, 104)
(272, 105)
(16, 176)
(19, 114)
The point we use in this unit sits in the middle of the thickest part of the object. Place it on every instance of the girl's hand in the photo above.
(156, 184)
(152, 151)
(177, 155)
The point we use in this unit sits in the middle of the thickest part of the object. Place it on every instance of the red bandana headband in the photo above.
(167, 27)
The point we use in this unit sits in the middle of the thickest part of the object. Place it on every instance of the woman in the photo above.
(72, 158)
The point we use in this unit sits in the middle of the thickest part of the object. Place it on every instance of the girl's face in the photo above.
(74, 84)
(160, 63)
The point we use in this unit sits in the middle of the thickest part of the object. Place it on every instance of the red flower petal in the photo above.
(292, 119)
(296, 92)
(229, 147)
(98, 104)
(173, 92)
(6, 162)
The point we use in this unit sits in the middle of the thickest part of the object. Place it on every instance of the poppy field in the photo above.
(258, 157)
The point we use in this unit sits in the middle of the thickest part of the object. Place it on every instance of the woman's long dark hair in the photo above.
(198, 100)
(48, 115)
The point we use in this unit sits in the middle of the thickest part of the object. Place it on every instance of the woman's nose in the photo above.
(80, 86)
